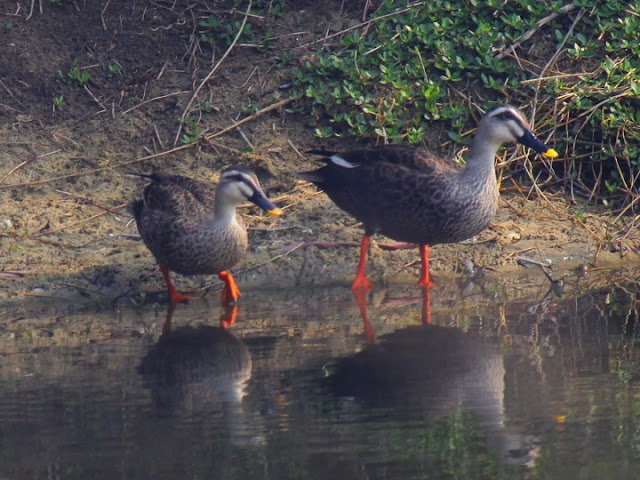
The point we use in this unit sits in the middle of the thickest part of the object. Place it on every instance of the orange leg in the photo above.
(230, 292)
(229, 316)
(166, 327)
(424, 255)
(174, 296)
(369, 334)
(426, 305)
(360, 283)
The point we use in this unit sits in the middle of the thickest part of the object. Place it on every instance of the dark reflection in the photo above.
(369, 331)
(227, 317)
(429, 372)
(528, 378)
(200, 371)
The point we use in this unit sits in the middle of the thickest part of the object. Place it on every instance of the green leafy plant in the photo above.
(285, 58)
(114, 69)
(75, 74)
(411, 71)
(207, 107)
(58, 102)
(191, 130)
(222, 31)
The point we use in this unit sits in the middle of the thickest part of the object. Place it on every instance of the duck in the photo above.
(412, 195)
(192, 228)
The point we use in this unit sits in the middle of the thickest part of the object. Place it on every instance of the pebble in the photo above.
(6, 224)
(513, 237)
(468, 267)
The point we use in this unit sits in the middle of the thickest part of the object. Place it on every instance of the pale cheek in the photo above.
(242, 194)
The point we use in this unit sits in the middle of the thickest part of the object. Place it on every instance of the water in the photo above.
(510, 382)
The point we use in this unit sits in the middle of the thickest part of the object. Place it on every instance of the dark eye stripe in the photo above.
(509, 115)
(234, 177)
(239, 177)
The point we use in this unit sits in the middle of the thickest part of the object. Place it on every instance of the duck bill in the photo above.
(264, 203)
(531, 141)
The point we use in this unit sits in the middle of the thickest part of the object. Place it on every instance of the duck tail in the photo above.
(136, 209)
(151, 176)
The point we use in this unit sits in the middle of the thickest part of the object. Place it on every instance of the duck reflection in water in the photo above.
(428, 372)
(227, 317)
(369, 332)
(201, 372)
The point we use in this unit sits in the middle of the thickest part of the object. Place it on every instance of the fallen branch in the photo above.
(274, 106)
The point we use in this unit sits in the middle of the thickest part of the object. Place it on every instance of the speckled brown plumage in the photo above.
(411, 195)
(175, 220)
(190, 231)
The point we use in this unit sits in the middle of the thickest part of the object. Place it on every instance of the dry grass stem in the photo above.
(187, 109)
(88, 201)
(258, 265)
(15, 169)
(539, 24)
(76, 224)
(98, 170)
(273, 106)
(362, 25)
(154, 99)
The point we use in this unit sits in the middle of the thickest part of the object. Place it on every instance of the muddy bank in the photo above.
(64, 228)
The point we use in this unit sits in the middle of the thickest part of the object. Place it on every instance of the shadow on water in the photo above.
(525, 383)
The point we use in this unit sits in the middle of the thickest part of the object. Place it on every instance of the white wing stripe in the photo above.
(341, 162)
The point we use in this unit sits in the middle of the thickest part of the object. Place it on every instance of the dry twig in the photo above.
(97, 170)
(539, 24)
(81, 222)
(273, 106)
(15, 169)
(153, 100)
(187, 109)
(258, 265)
(359, 26)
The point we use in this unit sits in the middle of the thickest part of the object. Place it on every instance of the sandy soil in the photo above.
(64, 226)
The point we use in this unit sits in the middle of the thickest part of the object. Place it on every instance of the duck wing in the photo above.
(175, 195)
(393, 190)
(417, 159)
(171, 207)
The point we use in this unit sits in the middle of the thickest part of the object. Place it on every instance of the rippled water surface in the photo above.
(501, 384)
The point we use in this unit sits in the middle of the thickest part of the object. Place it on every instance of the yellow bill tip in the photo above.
(551, 153)
(275, 211)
